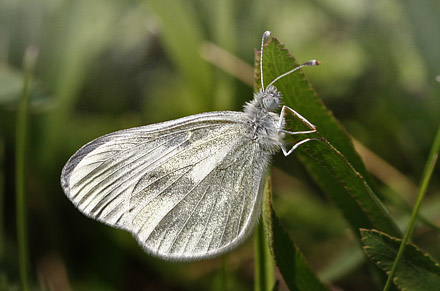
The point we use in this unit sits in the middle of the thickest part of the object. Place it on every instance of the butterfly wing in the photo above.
(186, 189)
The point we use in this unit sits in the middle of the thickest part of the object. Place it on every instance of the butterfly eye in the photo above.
(271, 102)
(271, 98)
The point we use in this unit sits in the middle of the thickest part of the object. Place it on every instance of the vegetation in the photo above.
(71, 71)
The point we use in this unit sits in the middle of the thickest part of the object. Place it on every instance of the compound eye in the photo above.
(270, 103)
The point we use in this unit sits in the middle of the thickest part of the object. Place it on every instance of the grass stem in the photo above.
(20, 160)
(426, 177)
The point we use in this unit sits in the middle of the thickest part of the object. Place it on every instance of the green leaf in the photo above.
(416, 269)
(293, 266)
(331, 161)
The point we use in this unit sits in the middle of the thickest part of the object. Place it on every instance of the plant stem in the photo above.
(426, 177)
(264, 266)
(20, 160)
(2, 201)
(223, 278)
(259, 257)
(3, 277)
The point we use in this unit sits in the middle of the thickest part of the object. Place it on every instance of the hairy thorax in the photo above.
(263, 126)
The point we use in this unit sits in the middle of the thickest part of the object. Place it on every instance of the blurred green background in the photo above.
(109, 65)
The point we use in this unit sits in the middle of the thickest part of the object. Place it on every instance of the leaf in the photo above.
(331, 161)
(293, 266)
(416, 269)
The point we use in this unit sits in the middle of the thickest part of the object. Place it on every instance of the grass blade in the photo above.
(426, 177)
(3, 278)
(183, 49)
(20, 159)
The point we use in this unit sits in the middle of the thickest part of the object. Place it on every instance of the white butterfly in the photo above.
(187, 189)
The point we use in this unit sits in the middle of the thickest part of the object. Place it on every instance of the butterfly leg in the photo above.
(312, 127)
(287, 152)
(300, 117)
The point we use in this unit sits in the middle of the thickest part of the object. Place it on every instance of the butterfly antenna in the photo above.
(266, 34)
(309, 63)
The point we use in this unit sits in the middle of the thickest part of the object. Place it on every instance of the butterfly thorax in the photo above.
(263, 120)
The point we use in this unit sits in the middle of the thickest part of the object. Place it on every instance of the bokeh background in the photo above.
(108, 65)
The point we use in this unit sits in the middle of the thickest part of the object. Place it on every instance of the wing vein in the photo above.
(181, 199)
(114, 184)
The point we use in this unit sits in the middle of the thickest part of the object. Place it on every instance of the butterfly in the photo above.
(190, 188)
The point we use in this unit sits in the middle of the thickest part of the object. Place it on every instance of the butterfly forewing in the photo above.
(186, 189)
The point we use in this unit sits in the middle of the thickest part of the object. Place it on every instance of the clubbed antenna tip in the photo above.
(266, 34)
(312, 63)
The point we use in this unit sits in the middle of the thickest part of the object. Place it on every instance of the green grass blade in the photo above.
(264, 278)
(20, 160)
(223, 23)
(2, 200)
(426, 177)
(416, 270)
(3, 277)
(293, 266)
(11, 84)
(223, 275)
(184, 48)
(332, 161)
(85, 30)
